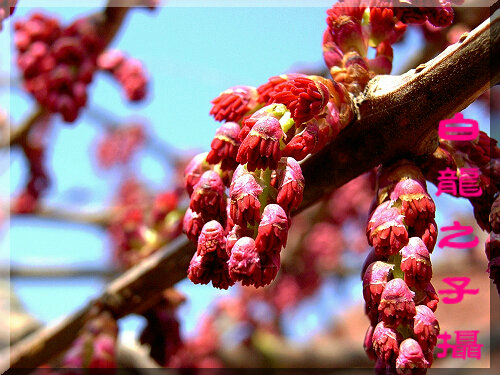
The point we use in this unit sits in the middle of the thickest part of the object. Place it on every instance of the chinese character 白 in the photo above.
(458, 133)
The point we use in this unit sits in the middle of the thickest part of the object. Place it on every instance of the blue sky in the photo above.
(192, 54)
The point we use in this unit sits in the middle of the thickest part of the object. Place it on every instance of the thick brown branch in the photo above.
(398, 117)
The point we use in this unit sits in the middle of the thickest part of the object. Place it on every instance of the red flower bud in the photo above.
(261, 147)
(374, 281)
(410, 357)
(386, 230)
(386, 342)
(273, 229)
(425, 327)
(303, 143)
(368, 344)
(200, 268)
(270, 265)
(208, 196)
(195, 168)
(290, 184)
(192, 224)
(234, 235)
(492, 246)
(396, 304)
(416, 262)
(225, 146)
(441, 16)
(234, 103)
(245, 206)
(427, 296)
(495, 215)
(265, 91)
(304, 98)
(212, 240)
(244, 263)
(428, 234)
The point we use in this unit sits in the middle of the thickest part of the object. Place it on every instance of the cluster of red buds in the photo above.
(58, 63)
(95, 346)
(355, 25)
(7, 7)
(400, 299)
(119, 145)
(141, 224)
(128, 72)
(162, 331)
(492, 246)
(244, 190)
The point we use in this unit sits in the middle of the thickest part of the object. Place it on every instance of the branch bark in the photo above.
(398, 117)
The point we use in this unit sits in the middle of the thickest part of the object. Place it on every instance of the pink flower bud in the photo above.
(374, 281)
(221, 278)
(225, 146)
(441, 16)
(495, 215)
(234, 235)
(234, 103)
(416, 205)
(270, 265)
(332, 54)
(200, 268)
(304, 97)
(273, 229)
(261, 147)
(427, 296)
(110, 60)
(386, 342)
(386, 230)
(428, 234)
(290, 184)
(410, 357)
(208, 196)
(245, 206)
(196, 167)
(368, 344)
(396, 304)
(212, 240)
(416, 263)
(192, 224)
(244, 263)
(425, 327)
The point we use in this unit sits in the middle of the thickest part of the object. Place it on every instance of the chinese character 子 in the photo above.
(464, 230)
(466, 345)
(469, 183)
(459, 283)
(458, 133)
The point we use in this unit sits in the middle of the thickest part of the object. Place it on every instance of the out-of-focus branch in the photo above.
(56, 272)
(99, 218)
(20, 132)
(398, 117)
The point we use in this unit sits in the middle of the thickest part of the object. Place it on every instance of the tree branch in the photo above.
(398, 117)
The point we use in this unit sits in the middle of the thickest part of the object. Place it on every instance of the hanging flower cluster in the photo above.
(356, 25)
(58, 63)
(128, 72)
(119, 145)
(400, 299)
(244, 190)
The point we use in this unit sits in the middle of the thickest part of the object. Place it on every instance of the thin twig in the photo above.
(398, 117)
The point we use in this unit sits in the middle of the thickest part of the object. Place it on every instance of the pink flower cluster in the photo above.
(142, 222)
(355, 25)
(400, 299)
(119, 145)
(128, 72)
(244, 190)
(58, 63)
